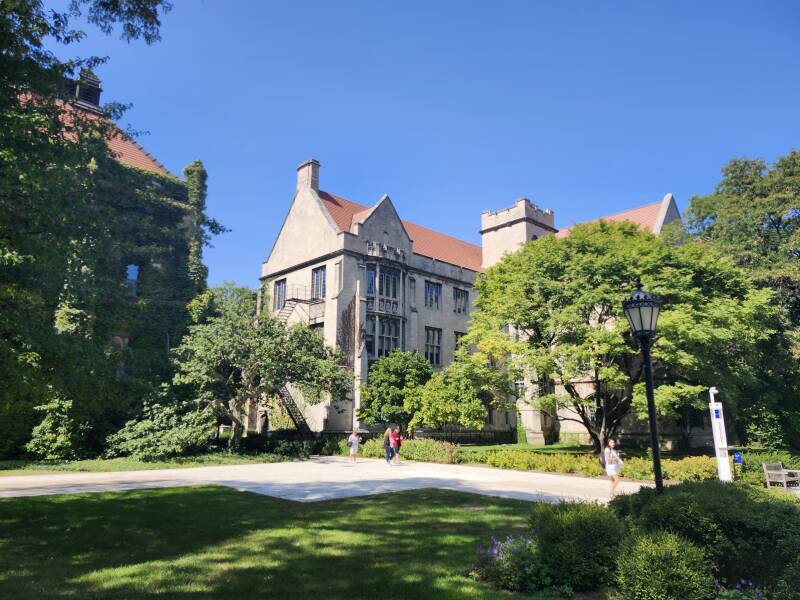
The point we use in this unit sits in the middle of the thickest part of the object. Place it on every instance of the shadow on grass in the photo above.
(218, 543)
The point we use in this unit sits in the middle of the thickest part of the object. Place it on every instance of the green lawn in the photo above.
(23, 467)
(209, 542)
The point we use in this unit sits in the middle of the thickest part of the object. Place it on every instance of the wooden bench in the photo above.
(778, 476)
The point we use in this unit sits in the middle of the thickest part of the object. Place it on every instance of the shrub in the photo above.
(424, 450)
(689, 468)
(326, 446)
(742, 590)
(579, 543)
(429, 451)
(371, 448)
(753, 459)
(685, 469)
(663, 566)
(511, 564)
(534, 461)
(163, 431)
(746, 532)
(786, 586)
(61, 434)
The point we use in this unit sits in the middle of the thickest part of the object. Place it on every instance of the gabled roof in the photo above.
(128, 152)
(426, 242)
(122, 147)
(649, 217)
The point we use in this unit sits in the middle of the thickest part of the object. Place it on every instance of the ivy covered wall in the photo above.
(127, 282)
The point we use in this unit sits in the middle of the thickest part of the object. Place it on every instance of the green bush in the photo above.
(688, 468)
(579, 544)
(753, 459)
(534, 461)
(511, 564)
(430, 451)
(424, 450)
(61, 435)
(745, 531)
(663, 566)
(786, 588)
(163, 431)
(326, 446)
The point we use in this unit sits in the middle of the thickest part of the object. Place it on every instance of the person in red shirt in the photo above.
(396, 441)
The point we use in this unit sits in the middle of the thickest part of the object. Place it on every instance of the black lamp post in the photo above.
(642, 310)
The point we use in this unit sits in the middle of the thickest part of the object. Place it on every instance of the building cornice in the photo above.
(367, 258)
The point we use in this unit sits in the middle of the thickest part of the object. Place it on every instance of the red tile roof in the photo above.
(128, 152)
(645, 217)
(426, 242)
(122, 147)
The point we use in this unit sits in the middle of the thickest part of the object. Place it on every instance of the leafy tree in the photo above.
(392, 379)
(553, 310)
(458, 395)
(753, 217)
(234, 357)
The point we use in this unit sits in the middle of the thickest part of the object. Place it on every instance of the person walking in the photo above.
(352, 442)
(387, 445)
(613, 464)
(397, 441)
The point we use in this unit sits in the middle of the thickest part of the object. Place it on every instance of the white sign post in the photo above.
(720, 439)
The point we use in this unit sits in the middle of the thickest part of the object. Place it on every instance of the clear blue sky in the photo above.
(452, 108)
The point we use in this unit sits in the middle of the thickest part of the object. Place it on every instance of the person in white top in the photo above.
(613, 464)
(352, 442)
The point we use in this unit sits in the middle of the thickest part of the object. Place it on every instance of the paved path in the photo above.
(325, 478)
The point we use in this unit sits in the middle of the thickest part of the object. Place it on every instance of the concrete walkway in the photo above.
(326, 478)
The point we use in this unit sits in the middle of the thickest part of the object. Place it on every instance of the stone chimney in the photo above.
(308, 175)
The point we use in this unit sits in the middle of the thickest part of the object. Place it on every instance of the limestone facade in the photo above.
(372, 282)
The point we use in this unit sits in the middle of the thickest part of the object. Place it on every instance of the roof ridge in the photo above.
(649, 204)
(428, 242)
(364, 207)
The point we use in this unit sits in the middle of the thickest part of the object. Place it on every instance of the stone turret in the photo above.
(507, 229)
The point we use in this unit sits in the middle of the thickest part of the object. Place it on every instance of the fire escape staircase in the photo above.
(296, 295)
(295, 414)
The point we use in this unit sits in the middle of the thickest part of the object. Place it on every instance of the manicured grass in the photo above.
(23, 467)
(209, 542)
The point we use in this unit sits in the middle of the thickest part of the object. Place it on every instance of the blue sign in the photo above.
(716, 413)
(737, 457)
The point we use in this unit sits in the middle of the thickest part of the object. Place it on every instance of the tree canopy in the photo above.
(553, 310)
(392, 380)
(233, 357)
(753, 217)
